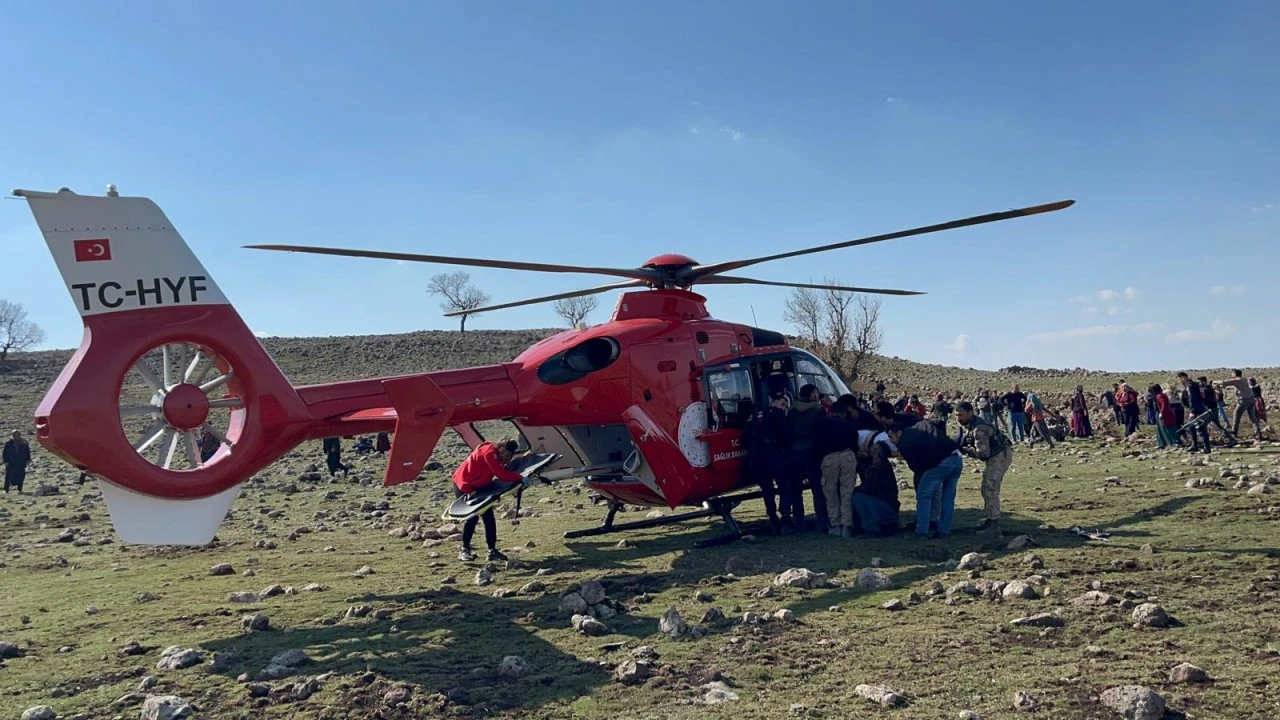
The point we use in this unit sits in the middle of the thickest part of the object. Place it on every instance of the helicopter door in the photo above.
(671, 470)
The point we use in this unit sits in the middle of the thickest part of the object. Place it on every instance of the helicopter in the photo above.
(648, 409)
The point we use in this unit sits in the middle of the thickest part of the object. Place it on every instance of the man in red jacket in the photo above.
(485, 464)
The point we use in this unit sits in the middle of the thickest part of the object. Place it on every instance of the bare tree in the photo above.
(17, 333)
(576, 309)
(458, 294)
(841, 328)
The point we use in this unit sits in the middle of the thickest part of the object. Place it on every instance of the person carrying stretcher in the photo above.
(488, 462)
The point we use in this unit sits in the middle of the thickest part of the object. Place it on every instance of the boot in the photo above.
(990, 527)
(496, 555)
(466, 554)
(846, 531)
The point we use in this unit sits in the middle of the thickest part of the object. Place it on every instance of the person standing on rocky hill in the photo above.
(1213, 406)
(983, 441)
(1167, 430)
(1127, 400)
(1080, 425)
(941, 412)
(16, 457)
(1016, 402)
(1245, 404)
(1259, 403)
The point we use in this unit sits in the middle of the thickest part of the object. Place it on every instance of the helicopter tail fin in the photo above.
(170, 400)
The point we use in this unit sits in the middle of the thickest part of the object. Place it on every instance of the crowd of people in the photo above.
(841, 450)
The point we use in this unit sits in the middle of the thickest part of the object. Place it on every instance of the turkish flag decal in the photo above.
(89, 250)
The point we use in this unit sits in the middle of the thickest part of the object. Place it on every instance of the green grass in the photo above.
(1216, 569)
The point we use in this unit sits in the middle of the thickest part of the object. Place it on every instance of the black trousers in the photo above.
(469, 527)
(334, 461)
(14, 475)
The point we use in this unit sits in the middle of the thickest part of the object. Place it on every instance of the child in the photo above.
(485, 464)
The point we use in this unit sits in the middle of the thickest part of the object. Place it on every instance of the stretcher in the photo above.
(477, 502)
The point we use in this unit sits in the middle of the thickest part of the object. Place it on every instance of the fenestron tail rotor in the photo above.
(676, 271)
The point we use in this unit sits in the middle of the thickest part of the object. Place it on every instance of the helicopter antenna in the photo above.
(754, 321)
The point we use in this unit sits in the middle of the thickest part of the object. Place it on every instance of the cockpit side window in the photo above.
(811, 370)
(731, 396)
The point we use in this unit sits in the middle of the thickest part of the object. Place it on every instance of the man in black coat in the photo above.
(16, 456)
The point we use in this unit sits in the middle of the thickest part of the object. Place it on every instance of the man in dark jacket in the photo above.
(804, 459)
(333, 456)
(936, 461)
(17, 455)
(768, 441)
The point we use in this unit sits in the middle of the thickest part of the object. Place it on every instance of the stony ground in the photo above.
(342, 599)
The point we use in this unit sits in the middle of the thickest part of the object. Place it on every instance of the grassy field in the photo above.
(418, 637)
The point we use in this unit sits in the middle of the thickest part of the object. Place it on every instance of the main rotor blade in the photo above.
(693, 274)
(638, 273)
(549, 298)
(732, 280)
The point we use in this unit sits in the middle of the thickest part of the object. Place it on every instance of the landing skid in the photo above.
(721, 507)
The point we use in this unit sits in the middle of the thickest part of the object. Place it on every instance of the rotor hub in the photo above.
(186, 406)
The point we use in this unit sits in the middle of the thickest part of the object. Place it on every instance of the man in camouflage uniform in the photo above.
(981, 440)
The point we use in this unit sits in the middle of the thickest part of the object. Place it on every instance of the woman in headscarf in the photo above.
(1080, 426)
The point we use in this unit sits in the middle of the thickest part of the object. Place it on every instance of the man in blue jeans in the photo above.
(1016, 402)
(937, 462)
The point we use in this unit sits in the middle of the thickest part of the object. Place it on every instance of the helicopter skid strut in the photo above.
(716, 507)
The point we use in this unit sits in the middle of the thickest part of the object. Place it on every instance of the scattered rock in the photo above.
(484, 576)
(1044, 620)
(894, 605)
(801, 578)
(881, 695)
(1134, 702)
(1150, 615)
(222, 569)
(363, 571)
(9, 650)
(588, 625)
(177, 658)
(717, 692)
(1022, 542)
(165, 707)
(1188, 673)
(784, 615)
(39, 712)
(671, 624)
(631, 672)
(255, 623)
(873, 579)
(1259, 489)
(514, 666)
(972, 561)
(592, 592)
(574, 604)
(1020, 590)
(1093, 598)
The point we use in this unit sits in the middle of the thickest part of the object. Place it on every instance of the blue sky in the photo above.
(606, 133)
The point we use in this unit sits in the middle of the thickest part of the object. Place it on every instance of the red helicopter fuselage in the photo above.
(648, 407)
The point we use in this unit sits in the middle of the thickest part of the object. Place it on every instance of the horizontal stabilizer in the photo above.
(422, 414)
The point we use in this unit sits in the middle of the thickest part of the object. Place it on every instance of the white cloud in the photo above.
(734, 135)
(1095, 331)
(1227, 290)
(1131, 293)
(261, 334)
(1091, 310)
(962, 344)
(1079, 299)
(1217, 329)
(891, 100)
(1113, 310)
(1263, 208)
(1106, 295)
